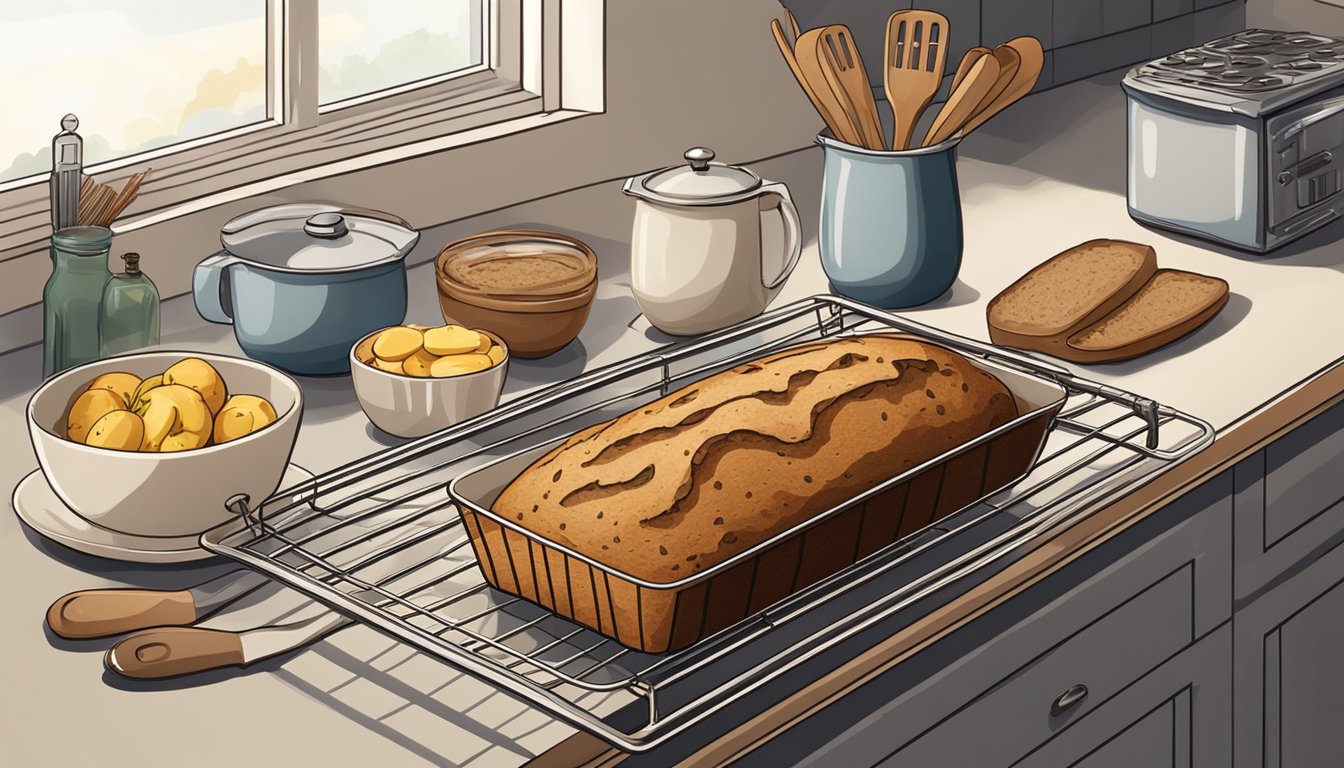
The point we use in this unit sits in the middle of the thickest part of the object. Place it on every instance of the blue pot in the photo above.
(890, 233)
(300, 284)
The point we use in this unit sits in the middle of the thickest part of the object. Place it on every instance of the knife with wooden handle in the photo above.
(91, 613)
(174, 651)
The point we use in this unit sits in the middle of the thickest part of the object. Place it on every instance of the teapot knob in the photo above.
(326, 225)
(699, 158)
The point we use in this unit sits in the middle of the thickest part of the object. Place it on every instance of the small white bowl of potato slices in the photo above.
(412, 380)
(155, 443)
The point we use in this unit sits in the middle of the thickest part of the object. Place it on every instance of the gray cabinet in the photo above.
(1176, 716)
(1115, 620)
(1290, 670)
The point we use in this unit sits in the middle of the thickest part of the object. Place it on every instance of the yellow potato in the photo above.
(485, 345)
(398, 343)
(418, 364)
(122, 383)
(201, 376)
(458, 365)
(451, 340)
(243, 415)
(364, 350)
(118, 431)
(137, 402)
(178, 412)
(87, 409)
(496, 354)
(391, 366)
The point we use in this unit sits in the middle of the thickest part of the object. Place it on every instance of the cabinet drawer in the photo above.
(1289, 501)
(1103, 621)
(1013, 718)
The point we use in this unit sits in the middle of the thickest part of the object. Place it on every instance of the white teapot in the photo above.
(697, 262)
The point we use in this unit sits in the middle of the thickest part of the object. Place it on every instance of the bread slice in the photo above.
(1171, 304)
(1068, 293)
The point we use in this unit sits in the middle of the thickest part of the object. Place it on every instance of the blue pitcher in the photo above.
(302, 283)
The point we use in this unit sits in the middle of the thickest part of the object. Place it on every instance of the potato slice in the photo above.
(243, 415)
(451, 340)
(87, 409)
(201, 376)
(496, 354)
(118, 431)
(418, 365)
(456, 365)
(364, 349)
(485, 345)
(398, 343)
(122, 383)
(391, 366)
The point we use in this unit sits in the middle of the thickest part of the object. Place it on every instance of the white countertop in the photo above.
(1040, 178)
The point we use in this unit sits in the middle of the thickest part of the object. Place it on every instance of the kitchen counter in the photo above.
(1045, 175)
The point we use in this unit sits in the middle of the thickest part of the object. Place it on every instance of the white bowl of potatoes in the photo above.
(155, 443)
(412, 380)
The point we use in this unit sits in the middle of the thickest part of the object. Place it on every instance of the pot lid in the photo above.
(699, 181)
(318, 238)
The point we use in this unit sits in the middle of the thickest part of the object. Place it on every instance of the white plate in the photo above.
(37, 505)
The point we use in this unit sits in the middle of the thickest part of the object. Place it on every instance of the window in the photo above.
(228, 94)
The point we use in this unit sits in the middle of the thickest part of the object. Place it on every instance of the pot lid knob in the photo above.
(699, 158)
(328, 225)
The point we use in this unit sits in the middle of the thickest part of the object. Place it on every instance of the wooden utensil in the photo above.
(848, 78)
(830, 103)
(1032, 58)
(1009, 62)
(962, 103)
(967, 62)
(823, 108)
(793, 25)
(916, 53)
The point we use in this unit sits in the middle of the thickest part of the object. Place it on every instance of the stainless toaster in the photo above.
(1241, 140)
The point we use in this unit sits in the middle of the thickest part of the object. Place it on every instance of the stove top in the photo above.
(1255, 68)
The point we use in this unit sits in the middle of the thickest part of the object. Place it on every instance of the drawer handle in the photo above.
(1068, 700)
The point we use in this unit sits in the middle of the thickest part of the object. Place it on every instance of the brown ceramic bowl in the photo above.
(533, 289)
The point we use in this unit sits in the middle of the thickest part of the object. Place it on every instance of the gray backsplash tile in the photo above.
(1166, 9)
(1076, 21)
(1120, 15)
(1003, 20)
(1081, 37)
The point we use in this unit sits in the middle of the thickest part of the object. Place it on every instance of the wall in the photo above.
(1309, 15)
(1082, 38)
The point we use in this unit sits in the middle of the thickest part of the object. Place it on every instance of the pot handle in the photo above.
(779, 200)
(210, 288)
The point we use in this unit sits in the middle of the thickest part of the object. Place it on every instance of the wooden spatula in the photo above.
(967, 62)
(962, 103)
(786, 50)
(1032, 58)
(916, 54)
(829, 102)
(845, 72)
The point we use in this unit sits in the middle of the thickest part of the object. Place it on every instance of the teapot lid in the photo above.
(700, 181)
(317, 238)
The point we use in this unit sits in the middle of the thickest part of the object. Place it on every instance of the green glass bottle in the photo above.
(130, 310)
(72, 300)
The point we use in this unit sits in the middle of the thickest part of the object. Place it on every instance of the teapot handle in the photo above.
(779, 199)
(210, 288)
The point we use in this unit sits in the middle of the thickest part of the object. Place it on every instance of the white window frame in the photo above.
(528, 80)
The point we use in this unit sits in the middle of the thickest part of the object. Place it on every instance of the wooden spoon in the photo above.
(1009, 62)
(967, 62)
(845, 72)
(829, 103)
(916, 54)
(1032, 59)
(962, 103)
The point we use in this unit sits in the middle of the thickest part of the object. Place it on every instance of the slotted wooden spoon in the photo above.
(829, 102)
(845, 72)
(916, 54)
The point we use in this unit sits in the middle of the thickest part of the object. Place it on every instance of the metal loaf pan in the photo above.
(656, 617)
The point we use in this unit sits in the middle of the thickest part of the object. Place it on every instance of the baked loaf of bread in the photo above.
(709, 471)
